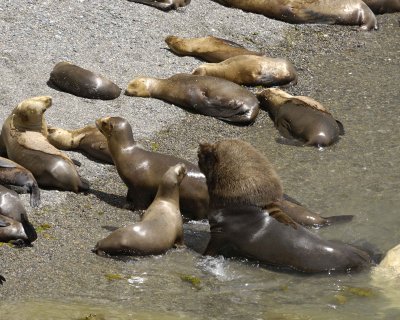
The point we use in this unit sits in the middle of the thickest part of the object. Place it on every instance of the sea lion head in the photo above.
(115, 128)
(60, 138)
(139, 87)
(175, 43)
(28, 115)
(273, 96)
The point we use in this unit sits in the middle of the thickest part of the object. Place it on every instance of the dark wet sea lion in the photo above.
(14, 224)
(12, 174)
(301, 118)
(345, 12)
(83, 83)
(161, 226)
(383, 6)
(238, 174)
(208, 48)
(251, 232)
(164, 5)
(250, 70)
(210, 96)
(87, 139)
(25, 136)
(142, 170)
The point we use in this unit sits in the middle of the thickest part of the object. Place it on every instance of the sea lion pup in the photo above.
(383, 6)
(161, 226)
(251, 232)
(165, 5)
(14, 224)
(24, 133)
(251, 70)
(14, 175)
(210, 96)
(87, 139)
(238, 174)
(345, 12)
(142, 170)
(83, 83)
(210, 49)
(301, 118)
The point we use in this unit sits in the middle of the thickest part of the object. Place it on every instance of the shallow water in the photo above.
(358, 176)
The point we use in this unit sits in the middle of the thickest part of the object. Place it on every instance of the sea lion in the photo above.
(238, 174)
(12, 174)
(210, 96)
(165, 5)
(250, 232)
(87, 139)
(160, 227)
(24, 134)
(142, 170)
(301, 118)
(383, 6)
(345, 12)
(251, 70)
(210, 49)
(83, 83)
(14, 224)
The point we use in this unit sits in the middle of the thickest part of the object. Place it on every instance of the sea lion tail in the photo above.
(338, 219)
(28, 228)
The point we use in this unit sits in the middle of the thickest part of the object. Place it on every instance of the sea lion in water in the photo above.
(238, 174)
(87, 139)
(251, 70)
(210, 49)
(160, 227)
(83, 83)
(210, 96)
(383, 6)
(142, 170)
(24, 134)
(14, 224)
(301, 118)
(345, 12)
(12, 174)
(250, 232)
(165, 5)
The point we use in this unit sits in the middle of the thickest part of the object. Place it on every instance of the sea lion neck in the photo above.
(37, 126)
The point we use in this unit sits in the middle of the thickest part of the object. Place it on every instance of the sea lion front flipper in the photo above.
(231, 43)
(35, 195)
(291, 199)
(2, 279)
(28, 228)
(341, 127)
(275, 212)
(159, 5)
(338, 219)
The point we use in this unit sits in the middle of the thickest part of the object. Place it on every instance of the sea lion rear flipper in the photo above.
(76, 162)
(35, 195)
(338, 219)
(341, 127)
(28, 228)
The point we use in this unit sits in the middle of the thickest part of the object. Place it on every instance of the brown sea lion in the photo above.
(14, 224)
(12, 174)
(160, 227)
(383, 6)
(345, 12)
(83, 83)
(301, 118)
(210, 96)
(87, 139)
(142, 170)
(238, 174)
(165, 5)
(24, 134)
(210, 49)
(251, 232)
(251, 70)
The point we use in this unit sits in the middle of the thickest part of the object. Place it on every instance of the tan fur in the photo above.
(209, 48)
(238, 174)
